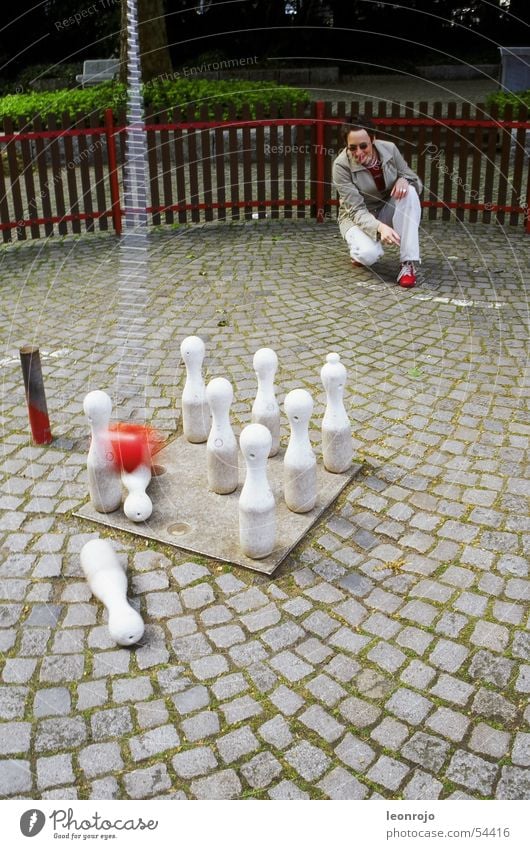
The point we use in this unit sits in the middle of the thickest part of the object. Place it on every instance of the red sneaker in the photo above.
(407, 275)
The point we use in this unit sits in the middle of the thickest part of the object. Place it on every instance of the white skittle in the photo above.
(104, 484)
(137, 506)
(195, 412)
(265, 409)
(257, 508)
(337, 443)
(108, 582)
(221, 449)
(300, 464)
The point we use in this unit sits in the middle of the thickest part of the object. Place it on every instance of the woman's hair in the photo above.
(357, 122)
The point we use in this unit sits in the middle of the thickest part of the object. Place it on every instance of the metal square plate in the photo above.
(186, 515)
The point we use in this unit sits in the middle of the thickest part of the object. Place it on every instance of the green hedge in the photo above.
(505, 98)
(159, 96)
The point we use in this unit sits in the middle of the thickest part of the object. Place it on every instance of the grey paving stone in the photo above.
(508, 612)
(105, 788)
(409, 706)
(340, 784)
(14, 737)
(222, 785)
(191, 647)
(66, 667)
(262, 677)
(153, 742)
(54, 770)
(44, 614)
(247, 654)
(324, 592)
(521, 645)
(448, 655)
(419, 611)
(309, 761)
(162, 605)
(209, 667)
(60, 733)
(313, 650)
(297, 606)
(80, 614)
(490, 635)
(451, 624)
(91, 694)
(373, 684)
(187, 573)
(250, 599)
(326, 690)
(261, 770)
(388, 772)
(283, 635)
(452, 690)
(242, 708)
(357, 585)
(202, 725)
(225, 636)
(194, 762)
(191, 700)
(390, 733)
(197, 596)
(427, 751)
(415, 639)
(145, 783)
(149, 582)
(109, 663)
(342, 668)
(100, 758)
(145, 561)
(494, 706)
(131, 689)
(521, 749)
(514, 783)
(417, 674)
(489, 741)
(52, 701)
(15, 777)
(114, 722)
(290, 666)
(70, 641)
(61, 793)
(448, 723)
(287, 790)
(229, 584)
(150, 714)
(472, 772)
(386, 656)
(522, 685)
(216, 615)
(318, 720)
(486, 666)
(276, 732)
(182, 626)
(321, 624)
(359, 713)
(34, 640)
(348, 640)
(422, 786)
(355, 753)
(265, 617)
(236, 744)
(13, 701)
(18, 670)
(381, 626)
(229, 685)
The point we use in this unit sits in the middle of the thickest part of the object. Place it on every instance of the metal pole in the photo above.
(35, 395)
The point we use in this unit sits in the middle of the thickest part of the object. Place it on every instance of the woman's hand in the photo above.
(400, 188)
(388, 235)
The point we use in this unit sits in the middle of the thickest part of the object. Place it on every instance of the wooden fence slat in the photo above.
(247, 163)
(101, 181)
(395, 130)
(7, 234)
(153, 169)
(517, 199)
(331, 150)
(57, 180)
(408, 147)
(14, 179)
(490, 164)
(273, 163)
(463, 152)
(165, 157)
(260, 162)
(287, 163)
(193, 166)
(71, 173)
(180, 166)
(504, 164)
(234, 162)
(436, 153)
(476, 166)
(206, 165)
(301, 137)
(422, 149)
(85, 173)
(29, 183)
(449, 174)
(220, 161)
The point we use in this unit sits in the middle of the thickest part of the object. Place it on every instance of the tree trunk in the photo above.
(154, 51)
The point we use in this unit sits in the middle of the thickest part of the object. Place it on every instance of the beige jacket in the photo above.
(360, 201)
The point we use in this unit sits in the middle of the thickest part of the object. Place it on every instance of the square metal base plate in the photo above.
(188, 516)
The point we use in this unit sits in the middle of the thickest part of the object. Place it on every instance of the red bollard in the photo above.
(35, 396)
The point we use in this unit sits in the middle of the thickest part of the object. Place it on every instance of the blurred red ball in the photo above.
(133, 445)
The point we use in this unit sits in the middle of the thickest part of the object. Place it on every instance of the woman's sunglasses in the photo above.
(362, 145)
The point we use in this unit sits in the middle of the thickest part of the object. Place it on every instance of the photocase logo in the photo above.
(32, 822)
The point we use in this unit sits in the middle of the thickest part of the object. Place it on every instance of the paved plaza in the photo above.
(389, 656)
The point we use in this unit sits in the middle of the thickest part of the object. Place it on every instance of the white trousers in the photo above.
(404, 216)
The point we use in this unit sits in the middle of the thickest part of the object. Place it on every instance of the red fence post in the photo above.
(320, 160)
(113, 171)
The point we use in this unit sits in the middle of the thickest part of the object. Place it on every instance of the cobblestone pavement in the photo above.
(390, 656)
